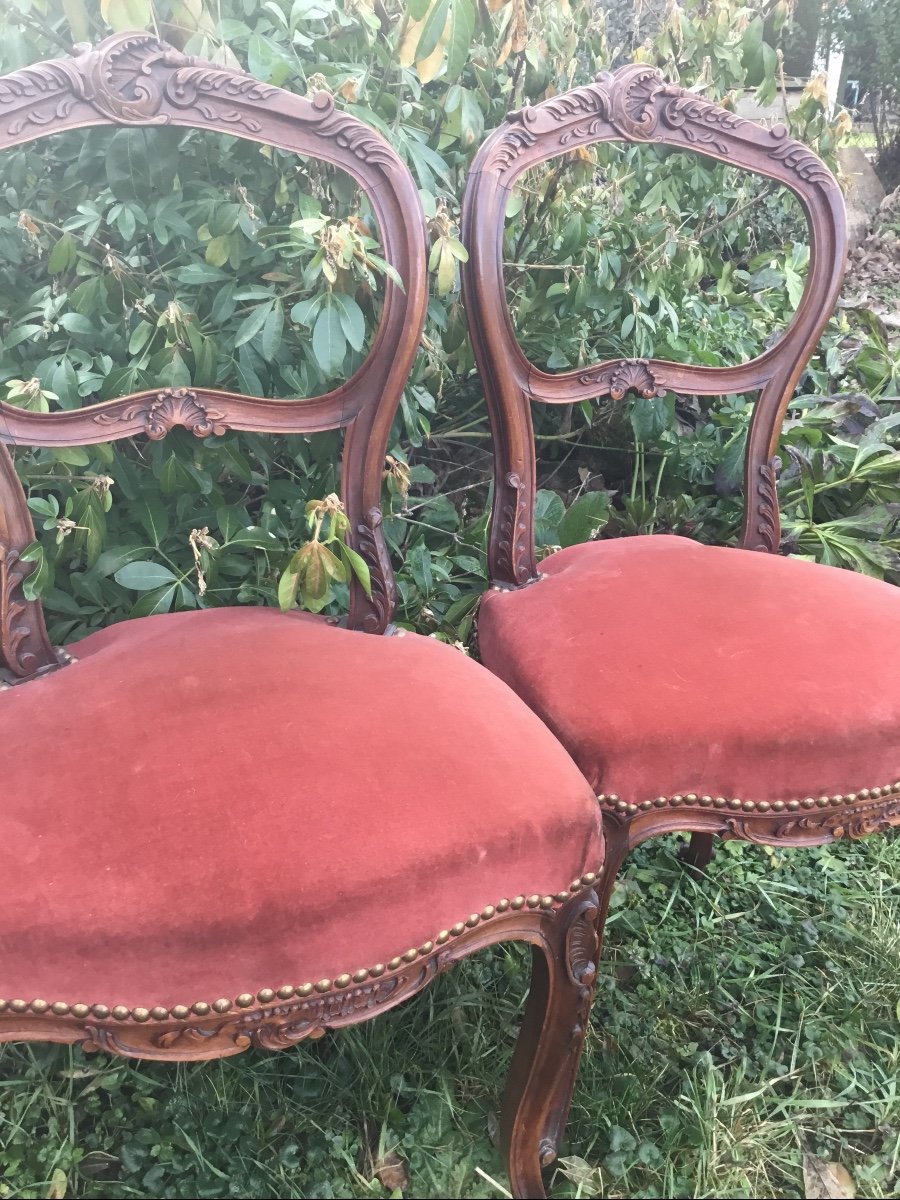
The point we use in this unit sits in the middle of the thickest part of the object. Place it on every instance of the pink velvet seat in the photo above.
(670, 668)
(236, 827)
(194, 809)
(720, 691)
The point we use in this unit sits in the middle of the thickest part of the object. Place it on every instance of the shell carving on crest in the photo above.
(634, 375)
(128, 79)
(168, 408)
(637, 104)
(135, 79)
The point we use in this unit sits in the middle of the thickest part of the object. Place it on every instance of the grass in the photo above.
(741, 1022)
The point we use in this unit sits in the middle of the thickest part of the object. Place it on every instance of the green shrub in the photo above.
(139, 258)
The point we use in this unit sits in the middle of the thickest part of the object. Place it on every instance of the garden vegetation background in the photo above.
(137, 258)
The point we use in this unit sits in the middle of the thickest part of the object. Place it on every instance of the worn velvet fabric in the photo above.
(669, 667)
(211, 803)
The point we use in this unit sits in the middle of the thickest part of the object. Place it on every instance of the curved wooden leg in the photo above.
(618, 843)
(698, 853)
(545, 1063)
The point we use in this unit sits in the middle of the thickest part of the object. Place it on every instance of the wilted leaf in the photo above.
(59, 1184)
(826, 1180)
(392, 1172)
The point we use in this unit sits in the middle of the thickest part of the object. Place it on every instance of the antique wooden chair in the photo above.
(718, 690)
(187, 868)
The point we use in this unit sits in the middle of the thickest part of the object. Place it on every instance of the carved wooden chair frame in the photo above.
(134, 80)
(636, 104)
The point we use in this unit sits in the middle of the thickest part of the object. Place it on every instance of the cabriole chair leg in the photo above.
(545, 1063)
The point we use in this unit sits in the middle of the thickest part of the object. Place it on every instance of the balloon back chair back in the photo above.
(699, 688)
(189, 865)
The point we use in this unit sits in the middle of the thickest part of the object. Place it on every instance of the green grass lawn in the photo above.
(741, 1022)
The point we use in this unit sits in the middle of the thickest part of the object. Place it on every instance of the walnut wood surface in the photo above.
(634, 104)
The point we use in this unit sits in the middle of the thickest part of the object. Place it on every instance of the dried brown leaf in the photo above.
(392, 1172)
(826, 1180)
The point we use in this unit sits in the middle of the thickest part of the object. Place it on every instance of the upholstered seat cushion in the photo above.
(667, 667)
(209, 804)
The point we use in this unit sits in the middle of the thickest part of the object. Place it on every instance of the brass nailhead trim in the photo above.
(181, 1012)
(736, 804)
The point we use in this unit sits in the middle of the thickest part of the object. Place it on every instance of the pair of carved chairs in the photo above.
(188, 871)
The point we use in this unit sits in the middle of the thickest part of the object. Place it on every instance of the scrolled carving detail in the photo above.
(636, 103)
(128, 79)
(701, 122)
(631, 93)
(582, 945)
(798, 158)
(514, 539)
(373, 548)
(852, 821)
(14, 632)
(168, 408)
(767, 523)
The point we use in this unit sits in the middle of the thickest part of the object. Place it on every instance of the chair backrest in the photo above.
(634, 104)
(133, 79)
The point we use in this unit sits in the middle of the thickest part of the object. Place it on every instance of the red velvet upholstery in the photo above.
(669, 667)
(212, 803)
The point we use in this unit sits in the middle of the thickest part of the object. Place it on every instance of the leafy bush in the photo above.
(140, 258)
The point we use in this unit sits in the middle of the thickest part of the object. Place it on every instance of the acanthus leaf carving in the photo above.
(168, 408)
(373, 548)
(701, 122)
(636, 103)
(14, 633)
(798, 158)
(514, 507)
(127, 79)
(766, 523)
(851, 821)
(582, 944)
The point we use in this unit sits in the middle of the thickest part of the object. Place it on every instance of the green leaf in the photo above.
(253, 323)
(549, 511)
(144, 575)
(434, 26)
(63, 255)
(41, 577)
(152, 603)
(218, 250)
(153, 515)
(256, 537)
(72, 456)
(462, 27)
(272, 331)
(333, 565)
(287, 590)
(359, 567)
(651, 417)
(417, 9)
(126, 14)
(329, 344)
(353, 322)
(584, 517)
